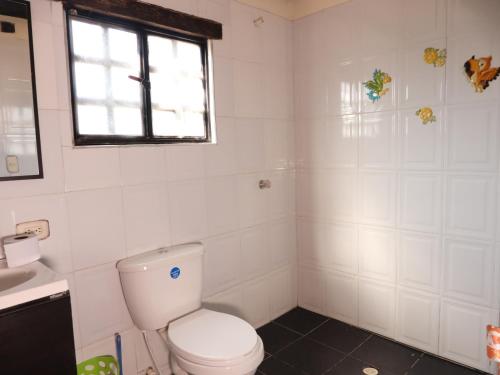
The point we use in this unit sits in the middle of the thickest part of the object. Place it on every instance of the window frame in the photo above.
(142, 31)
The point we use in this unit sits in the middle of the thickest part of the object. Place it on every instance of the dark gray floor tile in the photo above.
(273, 366)
(301, 320)
(429, 365)
(276, 337)
(339, 335)
(310, 356)
(387, 355)
(351, 366)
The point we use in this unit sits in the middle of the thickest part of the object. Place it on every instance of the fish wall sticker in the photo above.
(435, 56)
(480, 72)
(426, 115)
(376, 85)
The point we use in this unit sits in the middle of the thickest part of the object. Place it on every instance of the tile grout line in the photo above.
(348, 355)
(293, 342)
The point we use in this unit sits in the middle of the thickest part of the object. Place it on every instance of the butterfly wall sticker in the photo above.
(480, 72)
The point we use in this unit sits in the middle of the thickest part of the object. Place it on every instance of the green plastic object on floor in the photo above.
(100, 365)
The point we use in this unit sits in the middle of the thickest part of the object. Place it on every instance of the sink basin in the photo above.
(12, 277)
(27, 283)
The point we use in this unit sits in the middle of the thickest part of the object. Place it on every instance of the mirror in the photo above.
(20, 156)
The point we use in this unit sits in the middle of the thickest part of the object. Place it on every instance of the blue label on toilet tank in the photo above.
(175, 272)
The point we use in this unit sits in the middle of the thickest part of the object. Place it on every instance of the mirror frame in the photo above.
(35, 103)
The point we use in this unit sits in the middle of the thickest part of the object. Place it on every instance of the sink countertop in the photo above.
(44, 283)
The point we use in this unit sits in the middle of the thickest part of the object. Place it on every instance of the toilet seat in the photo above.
(209, 342)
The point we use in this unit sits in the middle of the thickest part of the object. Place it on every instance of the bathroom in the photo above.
(344, 187)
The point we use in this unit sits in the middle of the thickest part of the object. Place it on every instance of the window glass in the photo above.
(133, 84)
(104, 60)
(177, 88)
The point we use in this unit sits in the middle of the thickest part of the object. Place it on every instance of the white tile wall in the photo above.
(416, 257)
(397, 224)
(105, 203)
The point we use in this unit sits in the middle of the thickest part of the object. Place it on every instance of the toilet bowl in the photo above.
(162, 289)
(209, 343)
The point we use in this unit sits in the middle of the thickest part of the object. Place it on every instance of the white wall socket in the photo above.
(39, 227)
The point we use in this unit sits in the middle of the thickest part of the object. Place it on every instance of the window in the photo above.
(137, 84)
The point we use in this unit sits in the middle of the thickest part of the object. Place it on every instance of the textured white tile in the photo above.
(420, 259)
(468, 271)
(276, 86)
(91, 168)
(377, 195)
(420, 204)
(96, 227)
(343, 88)
(252, 201)
(376, 35)
(100, 305)
(377, 253)
(421, 84)
(222, 204)
(377, 140)
(247, 37)
(250, 145)
(255, 252)
(337, 195)
(465, 345)
(220, 158)
(184, 162)
(142, 165)
(281, 292)
(424, 20)
(421, 145)
(256, 302)
(472, 137)
(311, 242)
(222, 262)
(146, 218)
(278, 196)
(45, 65)
(187, 206)
(418, 320)
(248, 86)
(341, 246)
(276, 140)
(229, 302)
(223, 86)
(342, 142)
(470, 206)
(311, 289)
(281, 242)
(377, 307)
(342, 297)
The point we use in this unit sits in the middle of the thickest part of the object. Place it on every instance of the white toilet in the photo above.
(162, 288)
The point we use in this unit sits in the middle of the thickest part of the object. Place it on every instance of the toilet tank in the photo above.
(162, 285)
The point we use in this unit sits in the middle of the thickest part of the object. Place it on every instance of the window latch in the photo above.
(142, 81)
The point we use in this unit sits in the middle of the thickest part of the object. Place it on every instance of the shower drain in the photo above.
(370, 371)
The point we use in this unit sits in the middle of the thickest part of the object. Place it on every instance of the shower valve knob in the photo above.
(264, 184)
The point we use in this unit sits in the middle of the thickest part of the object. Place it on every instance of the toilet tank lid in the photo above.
(159, 257)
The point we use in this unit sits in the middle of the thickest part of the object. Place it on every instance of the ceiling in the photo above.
(292, 9)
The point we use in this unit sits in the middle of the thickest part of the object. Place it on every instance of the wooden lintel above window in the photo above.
(150, 14)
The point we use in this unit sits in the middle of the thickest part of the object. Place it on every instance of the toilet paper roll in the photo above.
(21, 249)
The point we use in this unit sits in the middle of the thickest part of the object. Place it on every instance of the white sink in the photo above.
(12, 277)
(27, 283)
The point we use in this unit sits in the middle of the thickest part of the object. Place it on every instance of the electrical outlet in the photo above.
(38, 227)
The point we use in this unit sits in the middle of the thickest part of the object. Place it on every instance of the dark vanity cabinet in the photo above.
(37, 338)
